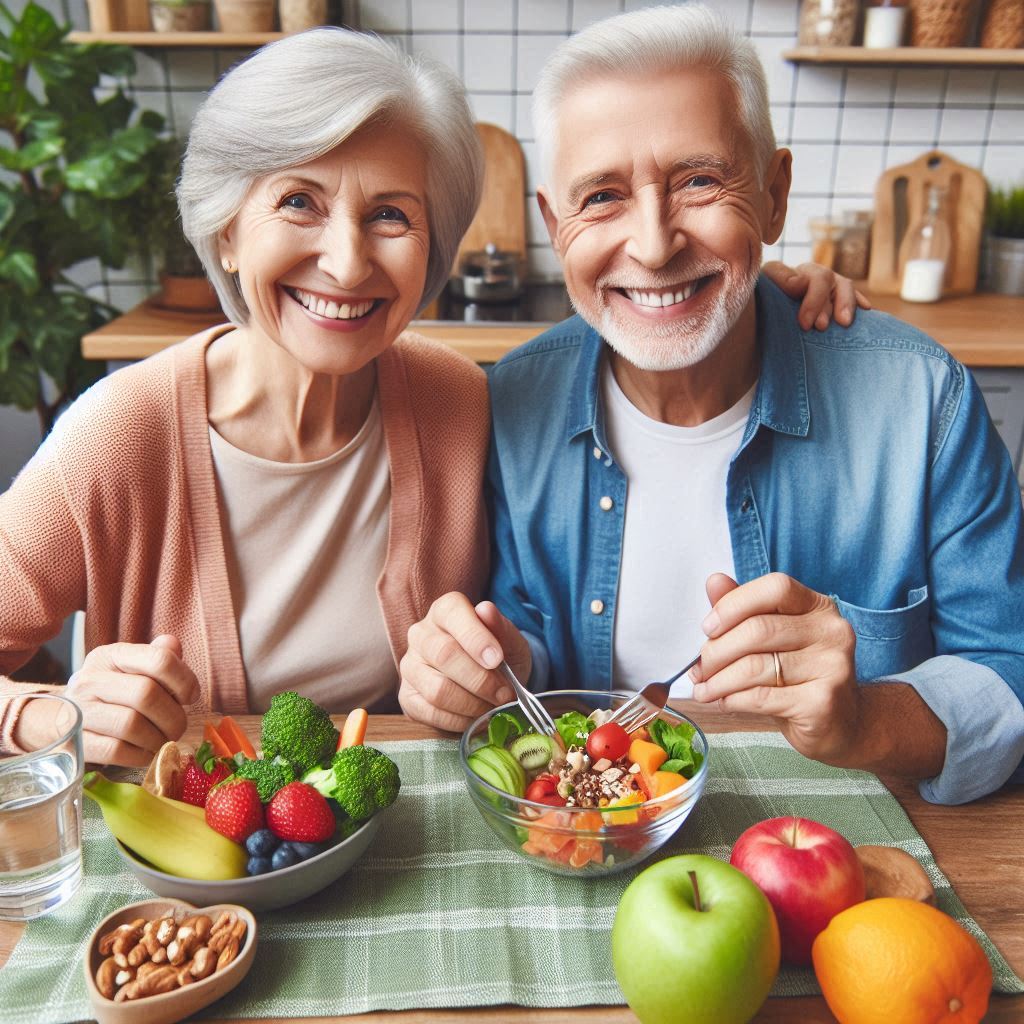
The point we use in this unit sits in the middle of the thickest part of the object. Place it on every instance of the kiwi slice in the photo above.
(532, 751)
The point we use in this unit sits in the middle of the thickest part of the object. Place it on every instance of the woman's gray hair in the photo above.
(299, 98)
(652, 41)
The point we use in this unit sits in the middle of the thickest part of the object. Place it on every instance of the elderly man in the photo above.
(683, 430)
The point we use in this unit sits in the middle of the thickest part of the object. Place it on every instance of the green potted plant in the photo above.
(75, 166)
(1006, 240)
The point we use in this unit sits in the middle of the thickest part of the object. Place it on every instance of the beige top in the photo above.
(305, 543)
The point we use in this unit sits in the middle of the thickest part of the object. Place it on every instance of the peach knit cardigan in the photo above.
(117, 513)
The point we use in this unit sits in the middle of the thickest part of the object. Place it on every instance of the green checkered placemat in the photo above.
(439, 914)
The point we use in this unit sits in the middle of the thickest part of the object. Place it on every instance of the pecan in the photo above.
(166, 930)
(106, 944)
(226, 919)
(238, 931)
(219, 940)
(105, 978)
(203, 963)
(147, 968)
(150, 944)
(139, 954)
(182, 946)
(185, 975)
(202, 926)
(227, 954)
(127, 938)
(124, 976)
(163, 979)
(128, 991)
(160, 956)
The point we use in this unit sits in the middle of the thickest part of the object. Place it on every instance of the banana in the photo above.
(158, 830)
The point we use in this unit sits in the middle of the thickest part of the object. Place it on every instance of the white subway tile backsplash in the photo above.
(150, 70)
(914, 124)
(815, 124)
(969, 85)
(1008, 126)
(962, 124)
(586, 12)
(436, 15)
(524, 118)
(1003, 166)
(531, 52)
(920, 85)
(778, 72)
(858, 169)
(972, 156)
(492, 108)
(773, 16)
(191, 69)
(487, 62)
(446, 48)
(543, 16)
(536, 229)
(812, 166)
(818, 85)
(803, 209)
(869, 85)
(489, 17)
(1010, 88)
(384, 15)
(864, 124)
(543, 260)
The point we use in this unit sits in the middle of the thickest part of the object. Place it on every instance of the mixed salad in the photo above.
(593, 766)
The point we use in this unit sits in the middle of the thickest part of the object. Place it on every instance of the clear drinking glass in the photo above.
(41, 810)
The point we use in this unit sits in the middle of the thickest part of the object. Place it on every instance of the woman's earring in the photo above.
(229, 267)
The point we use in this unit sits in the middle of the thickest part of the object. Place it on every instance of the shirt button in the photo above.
(597, 606)
(598, 453)
(745, 507)
(606, 504)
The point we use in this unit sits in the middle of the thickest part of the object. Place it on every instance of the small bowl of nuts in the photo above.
(162, 960)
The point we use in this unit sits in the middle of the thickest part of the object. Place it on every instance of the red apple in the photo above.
(808, 872)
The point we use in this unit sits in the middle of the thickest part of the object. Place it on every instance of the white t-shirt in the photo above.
(305, 545)
(676, 533)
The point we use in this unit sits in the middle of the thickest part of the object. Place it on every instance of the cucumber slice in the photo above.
(503, 765)
(532, 751)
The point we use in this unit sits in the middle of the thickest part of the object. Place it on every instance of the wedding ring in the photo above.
(779, 681)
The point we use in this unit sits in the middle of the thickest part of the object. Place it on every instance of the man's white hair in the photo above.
(299, 98)
(649, 42)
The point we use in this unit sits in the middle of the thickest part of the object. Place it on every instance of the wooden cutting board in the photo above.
(900, 198)
(501, 218)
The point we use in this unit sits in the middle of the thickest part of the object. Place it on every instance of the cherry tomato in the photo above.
(552, 800)
(542, 786)
(609, 740)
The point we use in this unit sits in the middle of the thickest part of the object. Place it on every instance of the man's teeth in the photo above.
(333, 310)
(659, 299)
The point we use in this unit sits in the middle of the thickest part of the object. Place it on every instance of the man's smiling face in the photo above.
(658, 212)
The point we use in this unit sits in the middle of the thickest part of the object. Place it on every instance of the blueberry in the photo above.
(258, 865)
(262, 843)
(284, 857)
(307, 850)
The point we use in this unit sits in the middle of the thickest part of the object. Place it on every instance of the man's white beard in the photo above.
(673, 346)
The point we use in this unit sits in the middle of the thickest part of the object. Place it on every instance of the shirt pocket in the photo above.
(890, 640)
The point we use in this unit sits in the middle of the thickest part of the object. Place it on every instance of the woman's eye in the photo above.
(391, 214)
(599, 198)
(299, 201)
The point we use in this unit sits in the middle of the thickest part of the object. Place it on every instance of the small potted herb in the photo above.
(180, 15)
(1006, 240)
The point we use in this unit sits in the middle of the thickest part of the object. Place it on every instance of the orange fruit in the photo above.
(897, 961)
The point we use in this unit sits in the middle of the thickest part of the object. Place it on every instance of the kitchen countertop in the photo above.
(980, 330)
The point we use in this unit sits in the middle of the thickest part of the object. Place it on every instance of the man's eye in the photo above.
(299, 201)
(599, 198)
(700, 181)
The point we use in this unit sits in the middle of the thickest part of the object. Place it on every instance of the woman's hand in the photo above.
(448, 672)
(811, 690)
(826, 294)
(133, 699)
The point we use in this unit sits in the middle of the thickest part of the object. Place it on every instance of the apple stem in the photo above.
(696, 892)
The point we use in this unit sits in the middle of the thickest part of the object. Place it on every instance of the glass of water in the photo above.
(41, 809)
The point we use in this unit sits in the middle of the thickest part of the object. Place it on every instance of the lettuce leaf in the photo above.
(677, 742)
(505, 726)
(574, 728)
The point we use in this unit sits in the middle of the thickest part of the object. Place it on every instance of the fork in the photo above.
(536, 714)
(645, 705)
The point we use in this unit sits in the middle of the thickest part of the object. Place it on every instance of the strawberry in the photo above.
(234, 810)
(299, 813)
(201, 773)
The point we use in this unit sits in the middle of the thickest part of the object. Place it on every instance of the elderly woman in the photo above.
(272, 503)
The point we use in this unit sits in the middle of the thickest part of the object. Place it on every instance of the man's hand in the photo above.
(132, 698)
(817, 708)
(825, 293)
(448, 676)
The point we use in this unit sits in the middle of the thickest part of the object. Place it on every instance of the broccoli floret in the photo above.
(270, 775)
(362, 779)
(299, 731)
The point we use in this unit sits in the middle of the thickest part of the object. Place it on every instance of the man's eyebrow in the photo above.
(583, 185)
(698, 162)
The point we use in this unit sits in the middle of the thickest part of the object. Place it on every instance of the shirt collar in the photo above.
(781, 400)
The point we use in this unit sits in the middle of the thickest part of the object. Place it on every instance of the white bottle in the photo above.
(925, 253)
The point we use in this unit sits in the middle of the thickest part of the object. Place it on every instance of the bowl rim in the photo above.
(128, 854)
(665, 801)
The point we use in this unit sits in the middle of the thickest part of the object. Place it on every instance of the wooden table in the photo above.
(979, 330)
(977, 846)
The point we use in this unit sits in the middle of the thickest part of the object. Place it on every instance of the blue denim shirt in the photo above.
(869, 470)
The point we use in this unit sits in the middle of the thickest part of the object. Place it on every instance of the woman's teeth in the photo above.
(659, 299)
(333, 310)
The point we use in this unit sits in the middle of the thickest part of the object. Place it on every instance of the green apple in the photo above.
(685, 953)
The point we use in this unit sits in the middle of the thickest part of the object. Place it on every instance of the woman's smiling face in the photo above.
(332, 255)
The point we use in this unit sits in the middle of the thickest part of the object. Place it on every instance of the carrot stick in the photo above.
(214, 738)
(235, 738)
(354, 729)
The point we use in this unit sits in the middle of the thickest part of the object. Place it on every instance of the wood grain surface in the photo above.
(977, 846)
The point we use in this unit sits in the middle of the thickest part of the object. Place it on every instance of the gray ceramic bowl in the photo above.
(260, 892)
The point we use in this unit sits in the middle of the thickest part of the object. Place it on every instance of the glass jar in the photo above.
(853, 254)
(828, 22)
(924, 254)
(825, 235)
(884, 24)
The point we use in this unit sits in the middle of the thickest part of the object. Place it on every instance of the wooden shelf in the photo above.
(969, 56)
(160, 40)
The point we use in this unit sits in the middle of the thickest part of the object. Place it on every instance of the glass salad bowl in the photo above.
(634, 816)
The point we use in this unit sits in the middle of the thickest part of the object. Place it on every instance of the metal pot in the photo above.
(1006, 265)
(489, 275)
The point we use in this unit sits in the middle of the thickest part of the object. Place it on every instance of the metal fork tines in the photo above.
(536, 714)
(644, 707)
